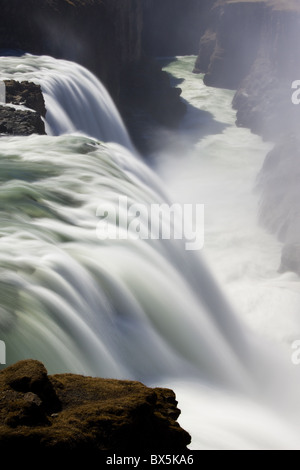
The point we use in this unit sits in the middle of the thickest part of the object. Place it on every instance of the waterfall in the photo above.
(137, 309)
(75, 100)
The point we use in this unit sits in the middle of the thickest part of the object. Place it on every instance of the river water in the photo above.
(215, 325)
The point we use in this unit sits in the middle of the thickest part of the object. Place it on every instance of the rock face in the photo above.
(173, 27)
(27, 94)
(16, 121)
(230, 44)
(103, 35)
(64, 413)
(250, 47)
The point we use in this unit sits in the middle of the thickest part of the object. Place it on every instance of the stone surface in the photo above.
(16, 121)
(64, 413)
(27, 94)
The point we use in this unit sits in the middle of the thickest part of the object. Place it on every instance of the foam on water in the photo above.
(143, 309)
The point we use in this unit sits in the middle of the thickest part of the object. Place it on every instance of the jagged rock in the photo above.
(14, 121)
(207, 47)
(148, 100)
(173, 27)
(27, 94)
(232, 39)
(67, 412)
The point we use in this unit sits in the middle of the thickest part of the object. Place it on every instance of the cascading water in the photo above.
(140, 309)
(75, 100)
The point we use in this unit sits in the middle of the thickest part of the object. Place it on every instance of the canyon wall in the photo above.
(70, 415)
(105, 36)
(174, 27)
(252, 47)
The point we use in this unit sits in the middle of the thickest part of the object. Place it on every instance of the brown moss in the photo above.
(69, 412)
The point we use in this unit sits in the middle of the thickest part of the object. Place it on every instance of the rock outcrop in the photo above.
(15, 120)
(230, 43)
(102, 35)
(70, 413)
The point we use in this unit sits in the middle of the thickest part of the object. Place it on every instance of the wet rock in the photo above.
(18, 121)
(27, 94)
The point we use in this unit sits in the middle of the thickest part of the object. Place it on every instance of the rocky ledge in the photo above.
(63, 413)
(15, 120)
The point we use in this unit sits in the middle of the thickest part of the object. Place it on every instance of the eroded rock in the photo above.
(67, 412)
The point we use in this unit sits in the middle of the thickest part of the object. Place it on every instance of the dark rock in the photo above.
(27, 94)
(173, 27)
(148, 100)
(64, 413)
(16, 122)
(207, 46)
(103, 35)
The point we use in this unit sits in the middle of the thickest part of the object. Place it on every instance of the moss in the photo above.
(70, 412)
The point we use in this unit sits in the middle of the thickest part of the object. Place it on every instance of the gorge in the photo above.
(216, 327)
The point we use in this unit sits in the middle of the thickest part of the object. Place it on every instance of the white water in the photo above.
(214, 163)
(75, 100)
(146, 310)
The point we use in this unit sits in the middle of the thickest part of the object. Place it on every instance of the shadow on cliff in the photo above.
(195, 126)
(198, 124)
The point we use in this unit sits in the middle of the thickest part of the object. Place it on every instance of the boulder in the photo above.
(71, 413)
